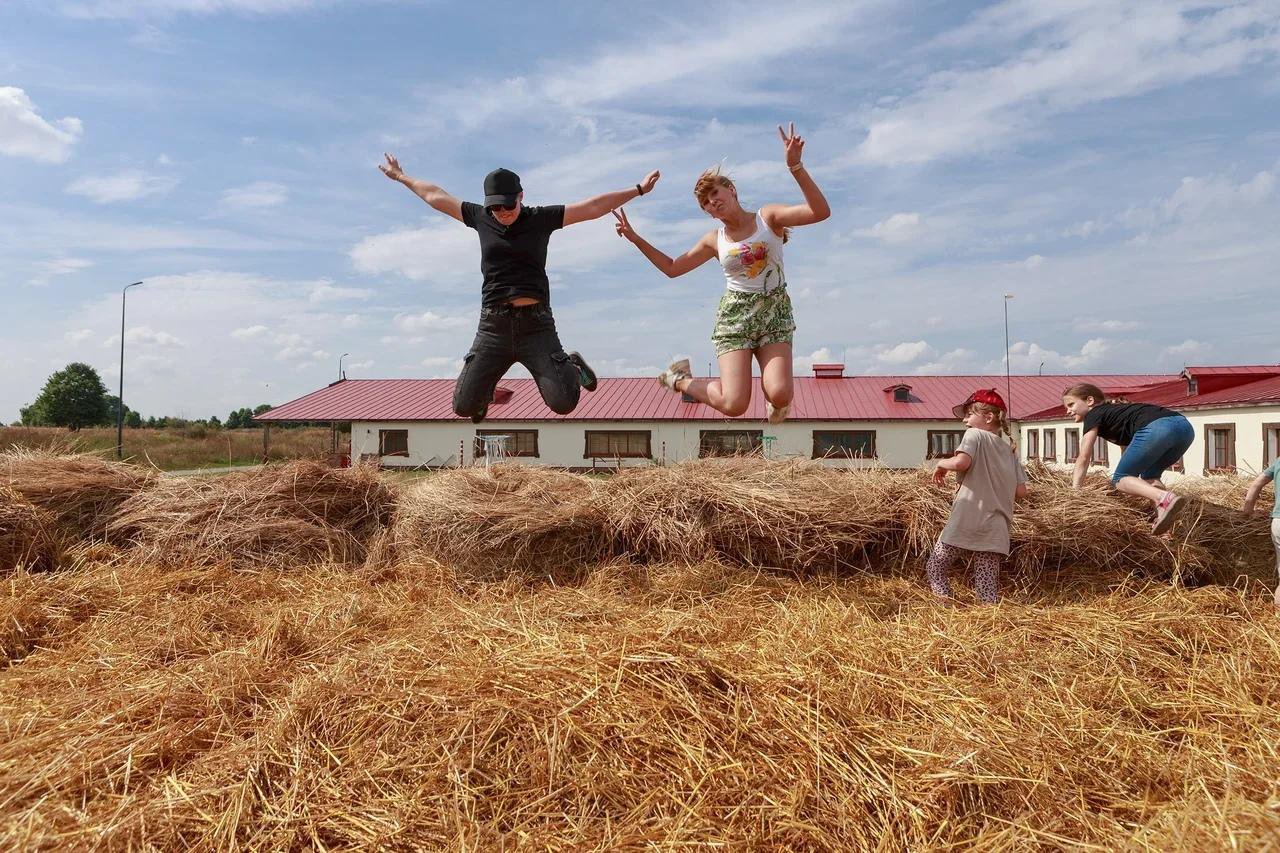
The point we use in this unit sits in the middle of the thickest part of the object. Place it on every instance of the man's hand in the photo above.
(940, 475)
(392, 169)
(649, 180)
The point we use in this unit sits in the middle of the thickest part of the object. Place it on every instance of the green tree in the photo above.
(133, 420)
(73, 397)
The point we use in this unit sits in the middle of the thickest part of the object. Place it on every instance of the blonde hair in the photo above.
(712, 178)
(1002, 422)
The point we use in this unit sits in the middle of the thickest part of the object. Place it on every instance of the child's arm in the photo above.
(1255, 489)
(1020, 493)
(1083, 455)
(959, 463)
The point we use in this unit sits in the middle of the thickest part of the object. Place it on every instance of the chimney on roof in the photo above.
(501, 395)
(828, 371)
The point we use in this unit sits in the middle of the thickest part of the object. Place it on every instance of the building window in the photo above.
(1071, 443)
(1219, 447)
(520, 442)
(393, 442)
(1270, 443)
(850, 444)
(617, 444)
(943, 443)
(1050, 451)
(1033, 444)
(1100, 455)
(729, 442)
(902, 394)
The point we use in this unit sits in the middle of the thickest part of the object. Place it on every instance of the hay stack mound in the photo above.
(27, 539)
(80, 492)
(298, 513)
(491, 522)
(797, 514)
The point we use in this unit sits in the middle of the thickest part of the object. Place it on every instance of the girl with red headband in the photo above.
(991, 479)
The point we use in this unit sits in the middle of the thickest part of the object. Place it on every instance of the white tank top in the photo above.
(753, 265)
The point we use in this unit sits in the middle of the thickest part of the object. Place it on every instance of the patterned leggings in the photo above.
(986, 569)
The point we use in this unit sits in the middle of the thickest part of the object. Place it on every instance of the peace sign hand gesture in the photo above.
(623, 227)
(792, 144)
(392, 170)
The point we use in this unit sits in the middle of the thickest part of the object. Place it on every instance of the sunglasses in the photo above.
(505, 208)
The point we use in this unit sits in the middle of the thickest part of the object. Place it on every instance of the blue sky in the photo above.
(1112, 164)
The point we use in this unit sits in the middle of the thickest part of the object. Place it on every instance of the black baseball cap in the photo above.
(501, 186)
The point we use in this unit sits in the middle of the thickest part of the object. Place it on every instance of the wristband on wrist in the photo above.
(639, 190)
(797, 167)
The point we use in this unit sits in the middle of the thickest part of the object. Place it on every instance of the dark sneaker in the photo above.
(586, 376)
(1167, 512)
(479, 416)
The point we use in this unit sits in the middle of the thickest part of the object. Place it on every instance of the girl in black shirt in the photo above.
(1153, 438)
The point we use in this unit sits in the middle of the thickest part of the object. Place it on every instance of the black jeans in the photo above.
(510, 334)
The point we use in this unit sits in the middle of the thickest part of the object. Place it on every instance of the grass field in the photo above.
(176, 449)
(736, 655)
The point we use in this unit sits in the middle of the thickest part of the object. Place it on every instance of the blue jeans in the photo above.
(1155, 448)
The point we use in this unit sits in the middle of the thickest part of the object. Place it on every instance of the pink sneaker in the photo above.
(1167, 512)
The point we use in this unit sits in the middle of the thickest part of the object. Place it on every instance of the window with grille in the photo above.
(1050, 451)
(1071, 443)
(520, 442)
(1220, 447)
(393, 442)
(1270, 443)
(1033, 444)
(853, 444)
(617, 444)
(729, 442)
(1100, 455)
(943, 442)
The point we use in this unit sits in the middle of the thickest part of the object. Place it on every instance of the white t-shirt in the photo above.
(983, 507)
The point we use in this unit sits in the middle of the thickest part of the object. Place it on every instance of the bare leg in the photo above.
(1141, 488)
(776, 373)
(731, 393)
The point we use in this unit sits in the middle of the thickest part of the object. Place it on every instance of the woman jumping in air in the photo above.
(515, 315)
(755, 317)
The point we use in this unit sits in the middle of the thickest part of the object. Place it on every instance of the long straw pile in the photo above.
(27, 539)
(299, 512)
(81, 492)
(491, 522)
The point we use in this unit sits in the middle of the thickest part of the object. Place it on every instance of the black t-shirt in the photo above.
(1117, 422)
(513, 258)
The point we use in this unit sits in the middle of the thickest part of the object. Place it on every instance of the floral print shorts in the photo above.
(751, 320)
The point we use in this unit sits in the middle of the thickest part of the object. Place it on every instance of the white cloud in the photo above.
(165, 8)
(256, 195)
(1068, 55)
(325, 292)
(1187, 352)
(1084, 324)
(429, 321)
(439, 252)
(144, 335)
(1034, 262)
(905, 353)
(248, 333)
(46, 270)
(898, 228)
(123, 186)
(958, 360)
(1025, 357)
(23, 133)
(442, 367)
(79, 336)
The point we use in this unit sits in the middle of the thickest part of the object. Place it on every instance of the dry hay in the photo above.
(27, 539)
(796, 515)
(492, 522)
(296, 513)
(81, 491)
(680, 706)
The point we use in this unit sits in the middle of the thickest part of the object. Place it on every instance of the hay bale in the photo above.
(27, 540)
(492, 522)
(299, 512)
(796, 514)
(81, 492)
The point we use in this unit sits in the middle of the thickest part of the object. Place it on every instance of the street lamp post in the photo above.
(124, 294)
(340, 358)
(1008, 381)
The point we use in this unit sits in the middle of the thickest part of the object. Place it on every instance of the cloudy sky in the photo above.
(1112, 163)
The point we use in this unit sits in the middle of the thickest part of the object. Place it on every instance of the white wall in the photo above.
(899, 444)
(1248, 421)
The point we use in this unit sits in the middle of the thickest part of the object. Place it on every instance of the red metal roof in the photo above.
(1173, 395)
(641, 399)
(1262, 369)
